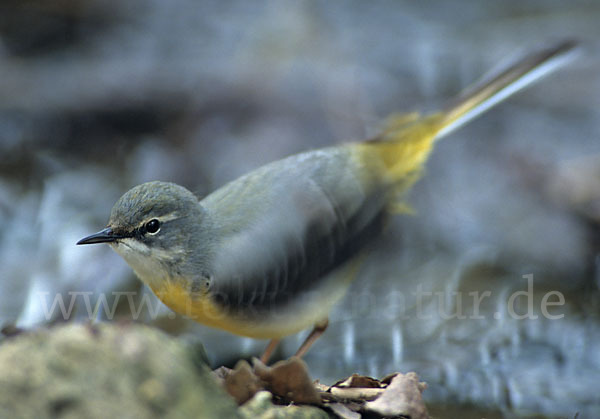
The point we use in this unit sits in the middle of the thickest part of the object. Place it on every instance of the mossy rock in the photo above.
(106, 370)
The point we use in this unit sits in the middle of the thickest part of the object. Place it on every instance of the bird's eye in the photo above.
(153, 226)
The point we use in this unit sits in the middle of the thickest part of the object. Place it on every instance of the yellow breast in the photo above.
(201, 308)
(304, 311)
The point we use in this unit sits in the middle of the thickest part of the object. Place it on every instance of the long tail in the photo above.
(494, 88)
(407, 141)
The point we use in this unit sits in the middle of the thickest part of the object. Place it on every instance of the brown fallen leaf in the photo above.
(356, 380)
(401, 398)
(241, 383)
(395, 395)
(288, 379)
(388, 378)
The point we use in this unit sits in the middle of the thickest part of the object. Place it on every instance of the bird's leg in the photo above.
(314, 335)
(269, 350)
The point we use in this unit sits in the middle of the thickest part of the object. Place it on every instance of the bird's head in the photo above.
(154, 227)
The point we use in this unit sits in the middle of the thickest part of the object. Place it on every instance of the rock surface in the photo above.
(106, 370)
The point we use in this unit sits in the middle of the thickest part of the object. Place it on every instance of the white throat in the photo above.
(146, 262)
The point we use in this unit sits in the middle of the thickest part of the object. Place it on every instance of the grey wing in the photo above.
(302, 219)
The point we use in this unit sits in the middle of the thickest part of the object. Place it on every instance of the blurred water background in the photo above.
(96, 97)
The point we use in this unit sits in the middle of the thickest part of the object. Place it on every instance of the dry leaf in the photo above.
(395, 395)
(289, 379)
(360, 394)
(388, 378)
(401, 398)
(343, 411)
(361, 381)
(242, 383)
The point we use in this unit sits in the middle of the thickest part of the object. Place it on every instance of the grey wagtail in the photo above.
(268, 254)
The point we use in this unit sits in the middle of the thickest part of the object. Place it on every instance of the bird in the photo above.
(267, 255)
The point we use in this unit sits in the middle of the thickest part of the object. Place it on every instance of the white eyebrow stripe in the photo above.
(163, 218)
(168, 217)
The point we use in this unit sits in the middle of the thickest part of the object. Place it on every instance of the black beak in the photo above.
(103, 236)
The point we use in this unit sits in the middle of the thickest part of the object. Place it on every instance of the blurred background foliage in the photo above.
(96, 97)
